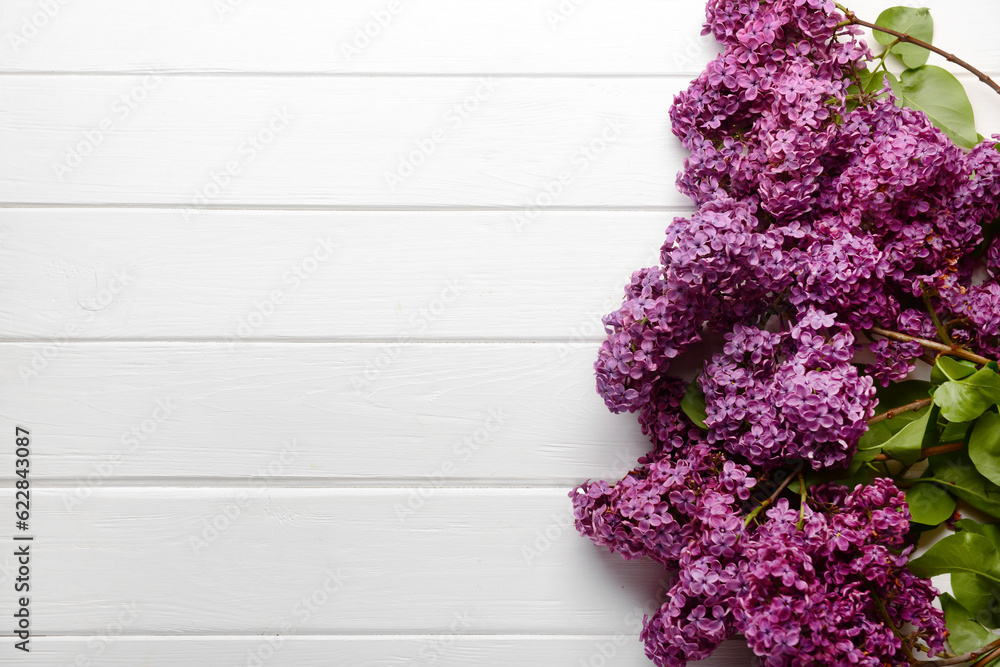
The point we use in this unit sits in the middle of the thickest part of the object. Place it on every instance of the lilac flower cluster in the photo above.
(698, 614)
(812, 595)
(775, 397)
(893, 360)
(803, 202)
(686, 514)
(826, 584)
(662, 420)
(667, 508)
(823, 214)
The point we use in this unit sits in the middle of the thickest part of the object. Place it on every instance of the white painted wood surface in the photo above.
(195, 142)
(316, 414)
(302, 380)
(629, 37)
(445, 275)
(373, 142)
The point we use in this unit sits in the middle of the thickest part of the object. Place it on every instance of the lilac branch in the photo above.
(852, 19)
(894, 412)
(941, 348)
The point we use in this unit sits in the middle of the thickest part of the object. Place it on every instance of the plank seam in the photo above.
(347, 208)
(193, 636)
(63, 340)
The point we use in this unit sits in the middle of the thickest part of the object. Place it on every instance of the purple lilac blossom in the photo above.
(803, 202)
(810, 594)
(665, 508)
(775, 397)
(817, 218)
(662, 420)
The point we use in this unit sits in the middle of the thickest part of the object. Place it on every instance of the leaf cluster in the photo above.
(928, 88)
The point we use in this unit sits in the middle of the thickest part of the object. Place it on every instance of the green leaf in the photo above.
(894, 84)
(929, 504)
(874, 437)
(905, 446)
(979, 595)
(950, 368)
(861, 458)
(852, 103)
(956, 431)
(895, 395)
(966, 399)
(916, 23)
(876, 81)
(984, 446)
(693, 405)
(856, 473)
(937, 92)
(956, 473)
(864, 78)
(961, 552)
(965, 633)
(990, 531)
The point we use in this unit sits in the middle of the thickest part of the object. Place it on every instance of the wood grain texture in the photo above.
(448, 414)
(363, 651)
(195, 142)
(251, 275)
(626, 37)
(322, 561)
(443, 36)
(294, 142)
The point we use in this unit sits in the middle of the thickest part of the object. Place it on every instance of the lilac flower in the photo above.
(809, 594)
(698, 613)
(893, 360)
(663, 421)
(665, 508)
(658, 319)
(771, 397)
(815, 220)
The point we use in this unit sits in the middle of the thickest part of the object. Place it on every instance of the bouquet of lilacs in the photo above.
(844, 236)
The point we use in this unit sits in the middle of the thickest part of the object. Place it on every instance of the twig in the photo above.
(777, 492)
(852, 19)
(959, 659)
(987, 658)
(942, 331)
(894, 412)
(930, 451)
(950, 350)
(986, 653)
(802, 497)
(888, 621)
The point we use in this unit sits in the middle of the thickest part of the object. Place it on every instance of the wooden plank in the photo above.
(249, 275)
(443, 650)
(327, 414)
(324, 561)
(355, 36)
(439, 36)
(197, 141)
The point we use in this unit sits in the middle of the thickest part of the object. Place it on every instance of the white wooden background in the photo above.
(297, 414)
